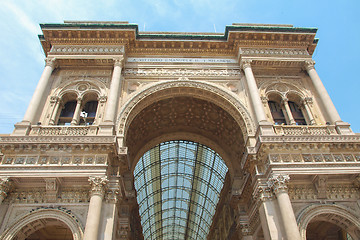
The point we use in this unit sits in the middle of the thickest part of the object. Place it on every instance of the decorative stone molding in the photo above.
(263, 193)
(56, 139)
(288, 52)
(164, 72)
(279, 183)
(245, 229)
(5, 185)
(86, 50)
(98, 185)
(302, 192)
(314, 158)
(112, 195)
(44, 160)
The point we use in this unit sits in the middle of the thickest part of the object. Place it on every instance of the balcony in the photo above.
(63, 130)
(304, 130)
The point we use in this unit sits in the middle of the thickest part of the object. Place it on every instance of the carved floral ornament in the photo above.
(219, 95)
(98, 185)
(5, 185)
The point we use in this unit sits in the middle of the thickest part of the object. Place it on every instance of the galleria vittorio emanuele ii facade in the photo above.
(163, 135)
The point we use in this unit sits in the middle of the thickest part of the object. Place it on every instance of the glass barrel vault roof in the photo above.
(178, 186)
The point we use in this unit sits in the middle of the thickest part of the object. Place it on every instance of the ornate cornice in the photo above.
(98, 185)
(170, 72)
(86, 50)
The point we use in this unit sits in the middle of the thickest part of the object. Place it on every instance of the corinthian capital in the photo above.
(309, 64)
(119, 61)
(98, 185)
(50, 62)
(4, 186)
(279, 183)
(246, 63)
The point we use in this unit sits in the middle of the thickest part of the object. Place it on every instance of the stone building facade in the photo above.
(109, 94)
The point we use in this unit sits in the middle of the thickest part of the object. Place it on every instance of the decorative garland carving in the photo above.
(5, 184)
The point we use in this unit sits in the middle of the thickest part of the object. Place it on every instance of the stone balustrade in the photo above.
(63, 130)
(291, 130)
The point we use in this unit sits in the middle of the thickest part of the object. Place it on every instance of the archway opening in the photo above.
(323, 230)
(178, 186)
(45, 228)
(186, 118)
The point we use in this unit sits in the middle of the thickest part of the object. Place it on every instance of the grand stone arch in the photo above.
(68, 219)
(205, 93)
(336, 214)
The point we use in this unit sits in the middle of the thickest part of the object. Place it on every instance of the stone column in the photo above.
(279, 185)
(57, 103)
(253, 92)
(76, 116)
(4, 188)
(306, 106)
(113, 96)
(322, 93)
(288, 112)
(96, 198)
(39, 91)
(269, 218)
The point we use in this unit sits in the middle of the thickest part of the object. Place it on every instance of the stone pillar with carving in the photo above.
(269, 218)
(253, 91)
(56, 101)
(4, 188)
(288, 111)
(279, 186)
(305, 104)
(322, 93)
(76, 116)
(39, 91)
(97, 192)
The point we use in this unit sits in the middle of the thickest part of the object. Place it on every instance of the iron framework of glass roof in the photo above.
(178, 186)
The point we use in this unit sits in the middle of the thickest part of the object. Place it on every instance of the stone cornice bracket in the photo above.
(245, 63)
(98, 185)
(5, 184)
(279, 183)
(309, 64)
(51, 62)
(119, 61)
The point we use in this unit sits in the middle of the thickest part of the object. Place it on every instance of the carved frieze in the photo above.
(288, 52)
(314, 158)
(86, 50)
(331, 192)
(179, 72)
(83, 159)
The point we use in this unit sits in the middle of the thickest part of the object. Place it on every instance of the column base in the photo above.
(343, 128)
(22, 129)
(106, 129)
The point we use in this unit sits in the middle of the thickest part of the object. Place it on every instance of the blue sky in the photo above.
(22, 58)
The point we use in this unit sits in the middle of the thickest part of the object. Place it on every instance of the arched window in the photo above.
(88, 113)
(67, 113)
(297, 113)
(276, 113)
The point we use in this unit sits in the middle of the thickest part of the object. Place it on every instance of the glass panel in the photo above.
(178, 186)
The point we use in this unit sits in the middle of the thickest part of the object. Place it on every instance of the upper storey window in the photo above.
(88, 113)
(67, 113)
(297, 113)
(277, 113)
